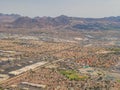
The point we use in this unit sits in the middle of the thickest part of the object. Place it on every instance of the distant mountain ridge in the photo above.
(8, 17)
(41, 22)
(75, 23)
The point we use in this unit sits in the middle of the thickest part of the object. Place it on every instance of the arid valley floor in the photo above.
(43, 62)
(61, 53)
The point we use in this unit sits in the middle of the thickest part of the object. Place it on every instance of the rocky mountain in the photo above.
(5, 18)
(40, 22)
(74, 23)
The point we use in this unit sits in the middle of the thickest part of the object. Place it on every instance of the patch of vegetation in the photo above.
(72, 75)
(118, 81)
(1, 88)
(115, 49)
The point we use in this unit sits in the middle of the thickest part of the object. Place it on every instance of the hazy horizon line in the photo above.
(56, 15)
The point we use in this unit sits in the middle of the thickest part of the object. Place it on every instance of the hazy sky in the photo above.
(79, 8)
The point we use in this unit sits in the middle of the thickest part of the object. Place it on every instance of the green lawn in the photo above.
(72, 75)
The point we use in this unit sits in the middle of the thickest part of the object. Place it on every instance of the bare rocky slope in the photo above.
(73, 23)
